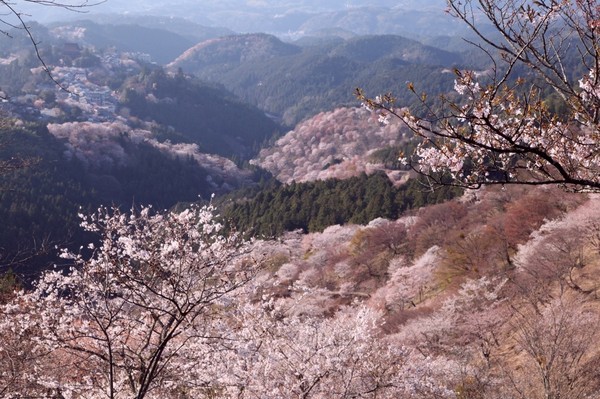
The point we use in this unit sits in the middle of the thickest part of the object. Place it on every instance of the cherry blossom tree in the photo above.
(140, 316)
(502, 130)
(162, 309)
(344, 356)
(314, 357)
(19, 354)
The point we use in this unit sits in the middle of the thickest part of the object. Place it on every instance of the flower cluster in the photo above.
(509, 138)
(141, 309)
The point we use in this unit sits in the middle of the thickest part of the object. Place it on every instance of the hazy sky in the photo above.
(278, 17)
(182, 7)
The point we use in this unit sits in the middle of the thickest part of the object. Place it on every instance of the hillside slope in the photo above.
(295, 82)
(478, 291)
(162, 45)
(194, 112)
(77, 166)
(336, 144)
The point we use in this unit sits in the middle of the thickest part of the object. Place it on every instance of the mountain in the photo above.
(231, 51)
(413, 23)
(157, 140)
(295, 82)
(283, 18)
(162, 45)
(17, 40)
(372, 48)
(180, 25)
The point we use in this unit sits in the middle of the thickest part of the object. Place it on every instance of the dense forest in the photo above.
(272, 208)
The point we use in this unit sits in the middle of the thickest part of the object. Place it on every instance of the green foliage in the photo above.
(8, 284)
(273, 208)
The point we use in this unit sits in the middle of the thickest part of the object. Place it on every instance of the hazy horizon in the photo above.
(238, 15)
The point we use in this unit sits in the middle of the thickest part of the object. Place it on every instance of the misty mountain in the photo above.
(179, 25)
(415, 19)
(297, 82)
(231, 51)
(17, 40)
(373, 48)
(413, 23)
(162, 45)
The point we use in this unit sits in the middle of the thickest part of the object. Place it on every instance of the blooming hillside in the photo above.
(334, 144)
(490, 296)
(102, 144)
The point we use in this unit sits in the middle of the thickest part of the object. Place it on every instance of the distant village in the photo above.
(70, 92)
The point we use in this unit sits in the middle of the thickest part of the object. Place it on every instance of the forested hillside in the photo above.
(75, 173)
(161, 236)
(198, 113)
(156, 140)
(272, 208)
(298, 82)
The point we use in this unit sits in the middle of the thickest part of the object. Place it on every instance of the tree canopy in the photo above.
(273, 208)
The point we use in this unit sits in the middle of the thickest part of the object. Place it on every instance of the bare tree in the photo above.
(558, 346)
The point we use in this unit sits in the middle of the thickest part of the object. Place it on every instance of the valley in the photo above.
(261, 199)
